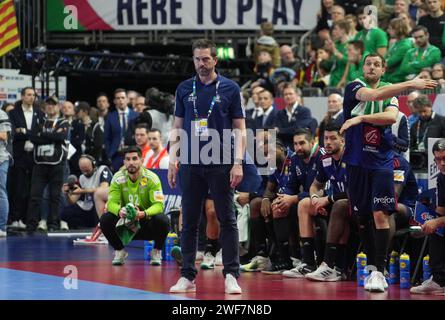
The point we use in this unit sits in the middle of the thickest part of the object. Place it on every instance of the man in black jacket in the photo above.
(24, 119)
(429, 125)
(50, 153)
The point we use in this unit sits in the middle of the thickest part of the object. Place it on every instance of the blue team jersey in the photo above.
(441, 190)
(281, 176)
(333, 171)
(403, 174)
(302, 174)
(223, 96)
(367, 145)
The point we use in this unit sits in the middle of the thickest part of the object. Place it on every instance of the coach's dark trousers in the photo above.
(195, 182)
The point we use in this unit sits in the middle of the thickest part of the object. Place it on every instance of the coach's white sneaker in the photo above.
(183, 285)
(429, 286)
(231, 286)
(2, 233)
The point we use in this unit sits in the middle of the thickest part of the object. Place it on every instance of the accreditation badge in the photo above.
(201, 128)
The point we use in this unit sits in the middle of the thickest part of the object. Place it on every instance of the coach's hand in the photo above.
(430, 226)
(172, 173)
(420, 84)
(266, 208)
(350, 123)
(236, 175)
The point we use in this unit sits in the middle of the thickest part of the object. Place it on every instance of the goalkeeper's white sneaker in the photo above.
(119, 257)
(183, 285)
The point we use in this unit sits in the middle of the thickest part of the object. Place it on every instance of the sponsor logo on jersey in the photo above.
(399, 175)
(158, 196)
(327, 162)
(386, 200)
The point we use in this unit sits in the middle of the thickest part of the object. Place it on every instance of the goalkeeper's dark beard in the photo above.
(132, 169)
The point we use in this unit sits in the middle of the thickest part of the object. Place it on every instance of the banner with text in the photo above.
(126, 15)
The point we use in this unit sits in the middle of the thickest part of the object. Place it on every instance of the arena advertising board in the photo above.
(12, 82)
(127, 15)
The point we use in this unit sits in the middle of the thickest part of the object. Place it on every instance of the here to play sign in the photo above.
(125, 15)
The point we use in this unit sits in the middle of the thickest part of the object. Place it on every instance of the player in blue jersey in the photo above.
(330, 167)
(436, 283)
(284, 207)
(370, 108)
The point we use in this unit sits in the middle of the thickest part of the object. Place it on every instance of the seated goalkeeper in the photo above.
(136, 204)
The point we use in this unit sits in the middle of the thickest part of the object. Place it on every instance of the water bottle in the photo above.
(362, 273)
(170, 242)
(148, 246)
(405, 277)
(426, 268)
(393, 268)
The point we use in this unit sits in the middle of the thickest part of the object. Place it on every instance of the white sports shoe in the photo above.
(208, 262)
(183, 285)
(231, 285)
(429, 286)
(119, 257)
(324, 273)
(2, 233)
(156, 257)
(199, 255)
(64, 225)
(18, 225)
(299, 271)
(42, 225)
(376, 282)
(218, 258)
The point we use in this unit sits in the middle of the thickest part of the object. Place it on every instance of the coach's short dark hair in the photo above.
(27, 88)
(205, 44)
(419, 28)
(333, 126)
(439, 145)
(119, 90)
(132, 149)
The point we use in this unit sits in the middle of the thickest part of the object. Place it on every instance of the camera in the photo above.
(71, 181)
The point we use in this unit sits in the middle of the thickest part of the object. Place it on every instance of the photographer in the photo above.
(160, 107)
(88, 196)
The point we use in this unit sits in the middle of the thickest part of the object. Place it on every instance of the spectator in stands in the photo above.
(293, 116)
(141, 137)
(5, 157)
(339, 48)
(422, 11)
(49, 156)
(25, 120)
(421, 56)
(139, 104)
(267, 118)
(117, 133)
(7, 107)
(131, 96)
(334, 115)
(410, 23)
(374, 38)
(438, 74)
(160, 108)
(352, 20)
(266, 42)
(413, 9)
(429, 125)
(83, 114)
(354, 68)
(351, 6)
(434, 22)
(436, 283)
(157, 157)
(425, 73)
(256, 111)
(76, 136)
(98, 148)
(414, 113)
(88, 197)
(263, 70)
(288, 59)
(398, 31)
(334, 13)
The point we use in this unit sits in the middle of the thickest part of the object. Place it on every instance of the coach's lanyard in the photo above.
(195, 97)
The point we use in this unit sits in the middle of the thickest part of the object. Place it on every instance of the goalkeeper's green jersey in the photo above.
(145, 193)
